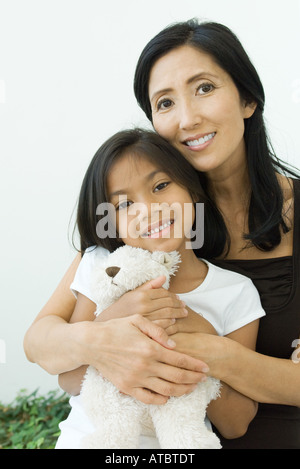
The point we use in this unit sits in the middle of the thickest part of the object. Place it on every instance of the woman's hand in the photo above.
(136, 356)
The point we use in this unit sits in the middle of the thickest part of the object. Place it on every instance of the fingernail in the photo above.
(171, 343)
(205, 369)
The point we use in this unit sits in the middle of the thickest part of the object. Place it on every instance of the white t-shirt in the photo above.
(226, 299)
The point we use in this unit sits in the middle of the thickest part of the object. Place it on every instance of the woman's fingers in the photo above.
(164, 323)
(151, 397)
(152, 330)
(138, 357)
(148, 397)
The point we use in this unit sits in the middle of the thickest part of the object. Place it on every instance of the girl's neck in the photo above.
(191, 273)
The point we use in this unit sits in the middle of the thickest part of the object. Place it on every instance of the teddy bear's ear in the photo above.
(168, 259)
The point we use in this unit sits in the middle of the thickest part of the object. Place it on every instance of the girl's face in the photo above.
(150, 210)
(197, 108)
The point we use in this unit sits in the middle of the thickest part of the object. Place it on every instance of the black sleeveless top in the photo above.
(278, 283)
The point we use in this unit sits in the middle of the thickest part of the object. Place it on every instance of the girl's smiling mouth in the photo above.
(158, 230)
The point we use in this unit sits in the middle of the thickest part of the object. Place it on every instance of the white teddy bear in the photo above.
(120, 419)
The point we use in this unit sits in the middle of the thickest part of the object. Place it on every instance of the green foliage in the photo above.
(31, 421)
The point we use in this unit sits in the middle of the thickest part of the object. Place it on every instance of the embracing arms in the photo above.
(59, 346)
(262, 378)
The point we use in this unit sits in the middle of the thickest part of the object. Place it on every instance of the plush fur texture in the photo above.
(120, 419)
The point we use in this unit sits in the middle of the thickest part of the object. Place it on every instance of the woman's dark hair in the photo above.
(266, 201)
(137, 143)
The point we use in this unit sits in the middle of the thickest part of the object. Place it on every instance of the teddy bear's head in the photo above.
(126, 269)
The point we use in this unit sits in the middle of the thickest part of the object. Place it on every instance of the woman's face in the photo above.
(197, 108)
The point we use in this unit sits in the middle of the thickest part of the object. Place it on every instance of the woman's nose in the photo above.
(189, 115)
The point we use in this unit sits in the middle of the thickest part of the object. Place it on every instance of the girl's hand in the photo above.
(194, 322)
(149, 300)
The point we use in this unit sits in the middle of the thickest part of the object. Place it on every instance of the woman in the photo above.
(199, 88)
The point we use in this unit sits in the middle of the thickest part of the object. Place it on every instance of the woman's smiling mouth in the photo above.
(200, 142)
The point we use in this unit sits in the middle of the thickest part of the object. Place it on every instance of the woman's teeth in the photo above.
(200, 141)
(158, 229)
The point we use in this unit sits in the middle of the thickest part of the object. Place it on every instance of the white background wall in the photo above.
(66, 73)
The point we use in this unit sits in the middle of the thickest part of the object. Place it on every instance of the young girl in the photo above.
(151, 193)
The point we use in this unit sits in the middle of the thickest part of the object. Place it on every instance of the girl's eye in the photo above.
(205, 88)
(164, 104)
(161, 186)
(123, 205)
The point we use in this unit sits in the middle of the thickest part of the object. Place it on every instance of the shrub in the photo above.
(31, 421)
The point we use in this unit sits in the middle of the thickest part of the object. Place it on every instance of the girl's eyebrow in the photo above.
(125, 191)
(190, 80)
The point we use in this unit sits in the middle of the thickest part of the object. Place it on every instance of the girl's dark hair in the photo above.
(266, 201)
(138, 143)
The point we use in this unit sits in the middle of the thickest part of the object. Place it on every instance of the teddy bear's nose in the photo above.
(112, 271)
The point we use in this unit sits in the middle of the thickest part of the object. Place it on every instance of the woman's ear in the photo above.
(249, 109)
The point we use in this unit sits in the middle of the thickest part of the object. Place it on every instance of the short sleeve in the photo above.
(82, 280)
(245, 309)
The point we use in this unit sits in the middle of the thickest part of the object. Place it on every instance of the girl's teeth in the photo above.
(200, 141)
(156, 230)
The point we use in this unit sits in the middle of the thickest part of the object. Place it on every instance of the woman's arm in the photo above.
(157, 306)
(233, 411)
(265, 379)
(132, 352)
(260, 377)
(50, 340)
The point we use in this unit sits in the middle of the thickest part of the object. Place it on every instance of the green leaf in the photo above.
(31, 421)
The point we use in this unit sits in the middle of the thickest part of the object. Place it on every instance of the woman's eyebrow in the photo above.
(198, 76)
(190, 80)
(125, 191)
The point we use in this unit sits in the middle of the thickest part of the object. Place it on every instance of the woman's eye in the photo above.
(164, 104)
(161, 186)
(205, 88)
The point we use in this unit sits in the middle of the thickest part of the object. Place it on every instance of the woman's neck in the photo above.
(231, 186)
